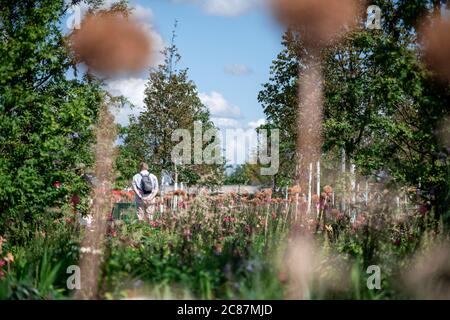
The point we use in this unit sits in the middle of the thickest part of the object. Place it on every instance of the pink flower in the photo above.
(423, 210)
(2, 263)
(187, 233)
(154, 224)
(360, 221)
(228, 219)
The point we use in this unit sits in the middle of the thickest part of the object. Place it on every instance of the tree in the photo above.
(237, 176)
(45, 118)
(171, 103)
(382, 105)
(280, 101)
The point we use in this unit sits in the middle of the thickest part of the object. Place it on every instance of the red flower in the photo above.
(229, 219)
(360, 221)
(423, 210)
(187, 233)
(154, 224)
(57, 184)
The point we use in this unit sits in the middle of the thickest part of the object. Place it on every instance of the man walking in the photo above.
(145, 186)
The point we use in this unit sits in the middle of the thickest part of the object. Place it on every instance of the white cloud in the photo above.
(131, 88)
(229, 123)
(242, 148)
(256, 124)
(238, 69)
(226, 123)
(226, 8)
(224, 114)
(229, 8)
(143, 15)
(219, 106)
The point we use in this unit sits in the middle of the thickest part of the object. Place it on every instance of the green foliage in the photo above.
(211, 253)
(238, 177)
(226, 247)
(381, 103)
(279, 101)
(383, 106)
(220, 248)
(248, 174)
(39, 267)
(45, 119)
(171, 103)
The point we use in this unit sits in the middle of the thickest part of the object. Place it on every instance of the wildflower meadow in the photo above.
(224, 150)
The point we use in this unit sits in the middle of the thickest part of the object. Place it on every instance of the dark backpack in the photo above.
(146, 184)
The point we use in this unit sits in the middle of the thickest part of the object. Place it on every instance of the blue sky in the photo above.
(228, 46)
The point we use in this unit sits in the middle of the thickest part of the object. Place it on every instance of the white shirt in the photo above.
(137, 180)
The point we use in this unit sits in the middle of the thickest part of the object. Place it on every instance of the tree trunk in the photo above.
(310, 114)
(92, 246)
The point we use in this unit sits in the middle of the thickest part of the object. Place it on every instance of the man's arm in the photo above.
(136, 190)
(156, 189)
